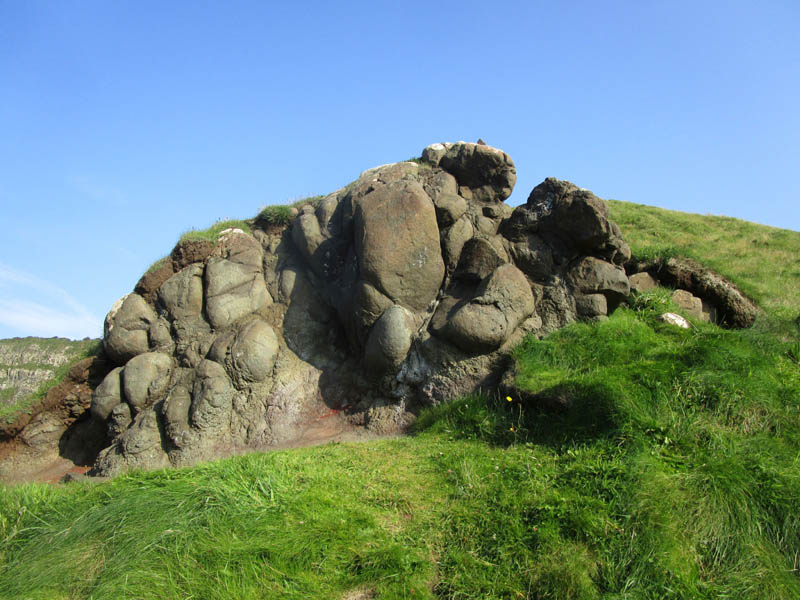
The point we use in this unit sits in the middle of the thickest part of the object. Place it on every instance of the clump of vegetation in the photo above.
(275, 215)
(158, 264)
(312, 200)
(212, 233)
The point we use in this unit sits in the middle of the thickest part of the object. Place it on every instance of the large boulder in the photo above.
(107, 395)
(234, 282)
(126, 328)
(397, 243)
(572, 219)
(483, 173)
(182, 294)
(145, 379)
(503, 301)
(389, 341)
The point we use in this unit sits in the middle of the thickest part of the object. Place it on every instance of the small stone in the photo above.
(674, 319)
(642, 282)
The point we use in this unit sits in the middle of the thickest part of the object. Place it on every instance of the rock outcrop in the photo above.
(405, 288)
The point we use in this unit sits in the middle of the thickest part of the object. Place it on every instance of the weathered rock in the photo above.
(689, 303)
(389, 341)
(591, 306)
(573, 216)
(479, 258)
(176, 416)
(642, 282)
(145, 379)
(119, 420)
(182, 294)
(534, 257)
(483, 173)
(369, 305)
(253, 352)
(235, 286)
(504, 299)
(592, 275)
(453, 240)
(439, 184)
(397, 243)
(731, 307)
(449, 208)
(126, 328)
(212, 398)
(405, 288)
(433, 154)
(107, 395)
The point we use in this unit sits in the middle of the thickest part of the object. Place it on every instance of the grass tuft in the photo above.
(275, 215)
(212, 233)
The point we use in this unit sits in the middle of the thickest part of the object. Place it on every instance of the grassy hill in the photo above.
(673, 475)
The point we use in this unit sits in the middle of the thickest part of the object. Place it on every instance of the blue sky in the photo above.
(124, 124)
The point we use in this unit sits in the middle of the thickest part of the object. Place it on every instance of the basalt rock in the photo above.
(407, 287)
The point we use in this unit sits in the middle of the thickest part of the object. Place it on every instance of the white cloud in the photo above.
(32, 306)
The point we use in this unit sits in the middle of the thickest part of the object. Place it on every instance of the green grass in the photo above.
(212, 233)
(674, 474)
(276, 215)
(158, 264)
(312, 200)
(763, 261)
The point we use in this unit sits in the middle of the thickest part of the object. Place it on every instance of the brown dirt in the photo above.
(20, 463)
(26, 457)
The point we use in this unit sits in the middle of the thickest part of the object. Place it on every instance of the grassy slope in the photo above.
(763, 261)
(675, 476)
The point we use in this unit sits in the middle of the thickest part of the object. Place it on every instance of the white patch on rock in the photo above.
(230, 231)
(108, 324)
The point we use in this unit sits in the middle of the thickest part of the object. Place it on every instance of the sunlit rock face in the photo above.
(401, 290)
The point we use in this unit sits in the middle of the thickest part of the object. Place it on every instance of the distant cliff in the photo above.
(27, 364)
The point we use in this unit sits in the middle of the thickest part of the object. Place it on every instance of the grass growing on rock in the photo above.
(275, 215)
(673, 475)
(212, 233)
